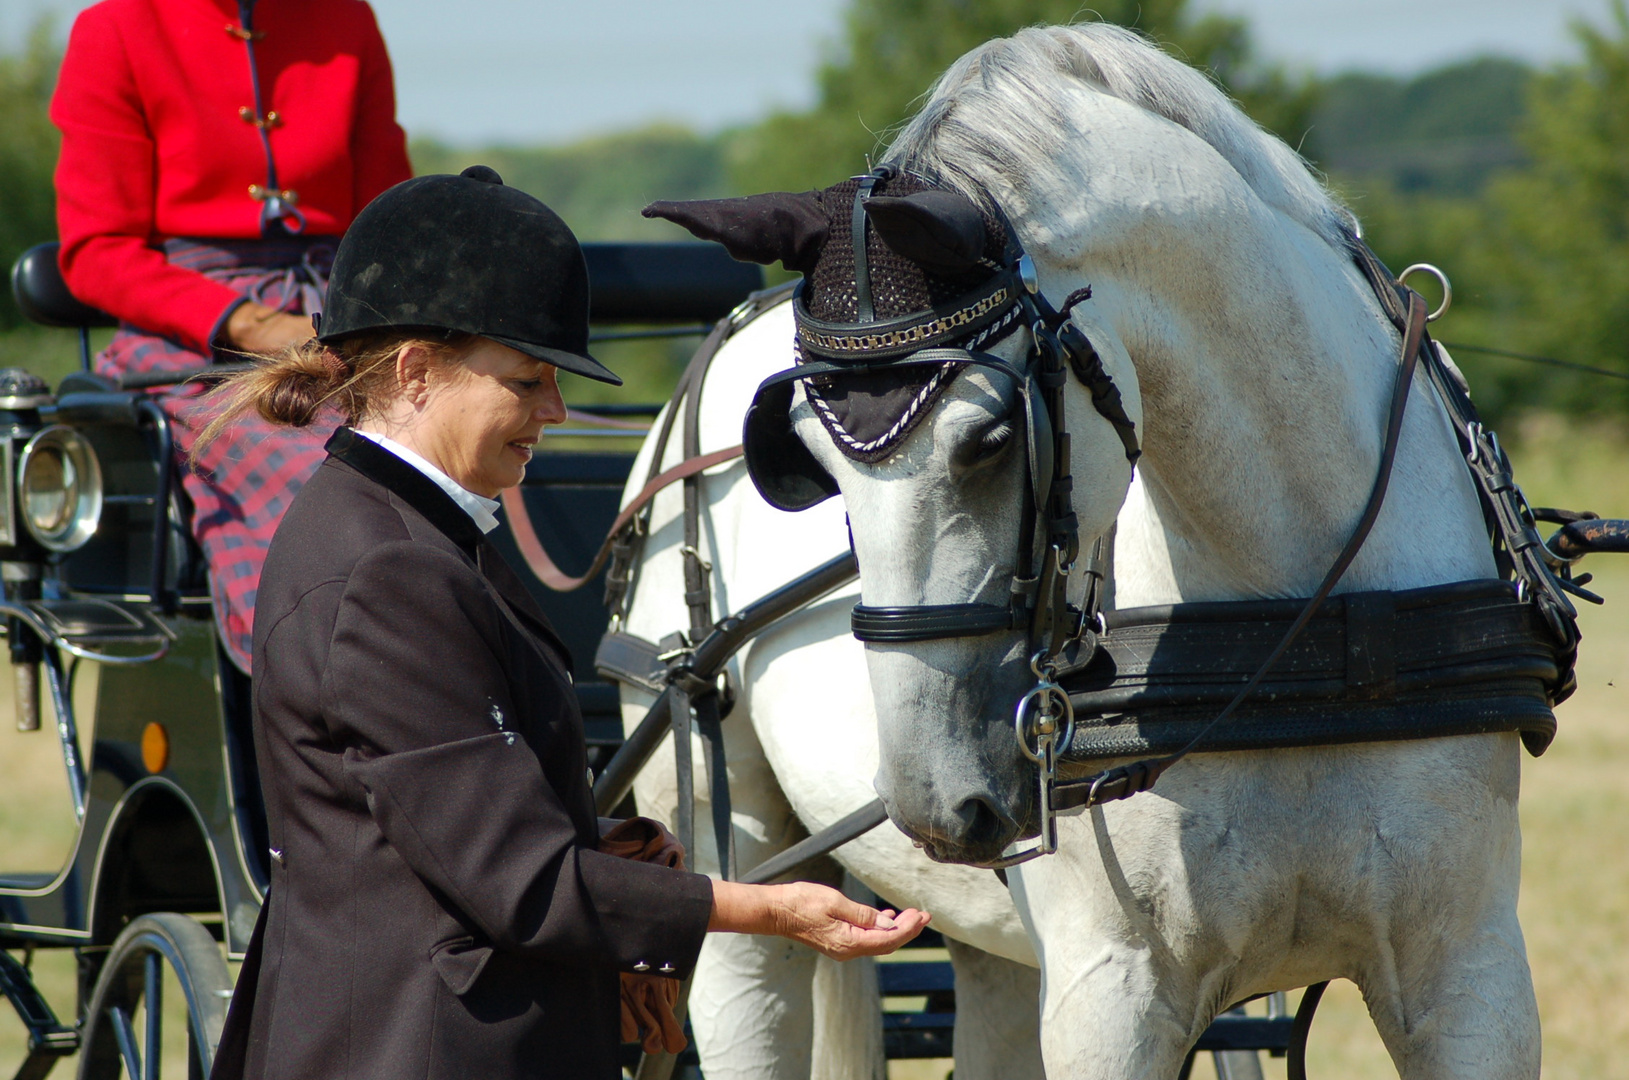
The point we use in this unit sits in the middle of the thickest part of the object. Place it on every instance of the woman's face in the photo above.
(478, 418)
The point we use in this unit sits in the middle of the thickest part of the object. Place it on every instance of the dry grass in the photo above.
(1575, 821)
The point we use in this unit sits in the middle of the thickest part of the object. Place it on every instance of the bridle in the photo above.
(1049, 544)
(1062, 635)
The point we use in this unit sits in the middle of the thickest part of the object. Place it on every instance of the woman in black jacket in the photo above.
(439, 904)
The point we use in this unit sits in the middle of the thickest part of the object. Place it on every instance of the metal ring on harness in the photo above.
(1049, 692)
(1442, 279)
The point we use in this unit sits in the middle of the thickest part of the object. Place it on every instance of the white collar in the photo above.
(478, 507)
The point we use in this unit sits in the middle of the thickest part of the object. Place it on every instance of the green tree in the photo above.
(1558, 239)
(599, 185)
(28, 153)
(1444, 131)
(894, 49)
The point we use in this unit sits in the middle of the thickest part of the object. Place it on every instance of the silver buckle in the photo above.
(1047, 703)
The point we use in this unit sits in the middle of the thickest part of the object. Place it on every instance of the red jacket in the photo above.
(156, 108)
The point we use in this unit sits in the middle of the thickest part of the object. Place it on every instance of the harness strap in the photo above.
(626, 534)
(695, 700)
(930, 622)
(1088, 367)
(542, 563)
(862, 263)
(626, 545)
(1518, 550)
(680, 714)
(1124, 781)
(698, 597)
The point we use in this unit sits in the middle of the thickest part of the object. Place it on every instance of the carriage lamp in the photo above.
(59, 488)
(22, 395)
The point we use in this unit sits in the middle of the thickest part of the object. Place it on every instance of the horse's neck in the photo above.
(1266, 378)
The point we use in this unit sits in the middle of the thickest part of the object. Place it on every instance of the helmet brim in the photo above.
(576, 363)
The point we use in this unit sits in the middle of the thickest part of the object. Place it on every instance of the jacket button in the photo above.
(667, 969)
(641, 966)
(277, 857)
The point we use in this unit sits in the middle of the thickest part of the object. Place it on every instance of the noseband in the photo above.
(1049, 544)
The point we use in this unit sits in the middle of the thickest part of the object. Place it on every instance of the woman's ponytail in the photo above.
(293, 388)
(297, 386)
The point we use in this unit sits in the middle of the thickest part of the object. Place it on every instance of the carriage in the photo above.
(102, 579)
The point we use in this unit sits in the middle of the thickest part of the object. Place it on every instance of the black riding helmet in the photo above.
(465, 253)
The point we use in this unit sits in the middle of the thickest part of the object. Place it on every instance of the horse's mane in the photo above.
(996, 105)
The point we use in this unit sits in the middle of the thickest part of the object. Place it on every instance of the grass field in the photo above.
(1575, 821)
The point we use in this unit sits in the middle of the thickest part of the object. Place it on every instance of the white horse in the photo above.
(1258, 365)
(801, 745)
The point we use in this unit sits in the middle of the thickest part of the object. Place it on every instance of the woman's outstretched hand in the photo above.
(820, 917)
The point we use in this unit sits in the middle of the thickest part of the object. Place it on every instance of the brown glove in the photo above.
(643, 840)
(648, 1001)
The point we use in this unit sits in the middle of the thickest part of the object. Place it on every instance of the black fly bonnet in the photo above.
(892, 265)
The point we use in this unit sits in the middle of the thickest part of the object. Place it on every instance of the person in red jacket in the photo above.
(212, 153)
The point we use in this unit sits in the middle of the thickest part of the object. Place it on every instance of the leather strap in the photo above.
(680, 716)
(862, 262)
(929, 622)
(542, 563)
(709, 726)
(1371, 644)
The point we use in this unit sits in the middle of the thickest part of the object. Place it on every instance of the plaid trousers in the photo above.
(246, 479)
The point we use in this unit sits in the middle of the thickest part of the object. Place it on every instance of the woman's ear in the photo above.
(413, 373)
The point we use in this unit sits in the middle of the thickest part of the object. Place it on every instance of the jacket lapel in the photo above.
(449, 520)
(497, 570)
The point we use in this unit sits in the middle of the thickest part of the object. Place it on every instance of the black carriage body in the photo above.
(190, 836)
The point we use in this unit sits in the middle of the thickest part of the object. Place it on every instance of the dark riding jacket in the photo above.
(438, 908)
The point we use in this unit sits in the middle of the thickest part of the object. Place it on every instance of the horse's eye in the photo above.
(988, 444)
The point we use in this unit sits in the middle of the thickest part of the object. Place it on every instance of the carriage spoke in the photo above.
(125, 1032)
(155, 1010)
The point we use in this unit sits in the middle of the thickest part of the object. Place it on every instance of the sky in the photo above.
(477, 72)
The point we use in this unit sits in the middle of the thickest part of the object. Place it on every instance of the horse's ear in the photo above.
(780, 226)
(941, 230)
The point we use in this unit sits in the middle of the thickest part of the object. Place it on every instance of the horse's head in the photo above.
(917, 398)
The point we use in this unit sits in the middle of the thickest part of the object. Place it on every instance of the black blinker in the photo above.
(783, 470)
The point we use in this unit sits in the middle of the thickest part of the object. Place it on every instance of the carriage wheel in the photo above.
(124, 1027)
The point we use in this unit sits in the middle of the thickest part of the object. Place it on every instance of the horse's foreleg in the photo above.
(848, 1021)
(752, 1008)
(1473, 1016)
(1446, 977)
(1115, 1004)
(998, 1016)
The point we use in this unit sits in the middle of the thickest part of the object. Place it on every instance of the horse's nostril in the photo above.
(985, 826)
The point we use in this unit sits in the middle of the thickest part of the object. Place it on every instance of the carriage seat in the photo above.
(43, 297)
(633, 282)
